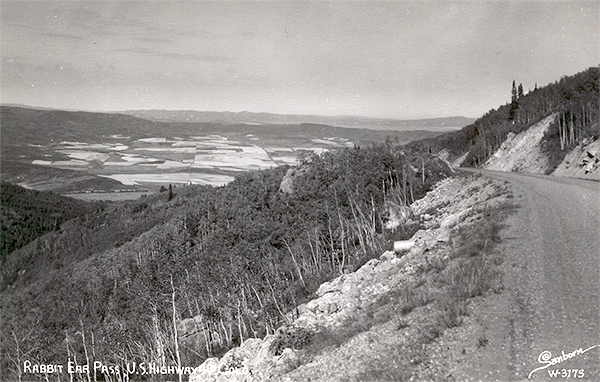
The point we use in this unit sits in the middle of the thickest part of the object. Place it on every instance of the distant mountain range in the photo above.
(68, 151)
(443, 124)
(245, 117)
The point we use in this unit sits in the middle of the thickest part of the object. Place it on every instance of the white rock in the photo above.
(403, 245)
(202, 373)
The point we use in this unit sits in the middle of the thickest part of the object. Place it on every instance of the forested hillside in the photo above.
(574, 99)
(27, 214)
(121, 284)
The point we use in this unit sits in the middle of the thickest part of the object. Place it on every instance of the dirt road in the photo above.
(551, 303)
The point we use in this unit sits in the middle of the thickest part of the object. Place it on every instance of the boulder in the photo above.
(402, 246)
(286, 362)
(398, 215)
(237, 358)
(367, 268)
(387, 256)
(206, 372)
(287, 183)
(582, 162)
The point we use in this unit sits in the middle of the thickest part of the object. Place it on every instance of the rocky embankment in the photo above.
(582, 162)
(382, 321)
(523, 153)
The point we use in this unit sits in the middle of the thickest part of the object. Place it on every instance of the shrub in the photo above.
(290, 337)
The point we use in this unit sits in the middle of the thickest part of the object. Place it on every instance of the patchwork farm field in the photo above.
(115, 156)
(153, 162)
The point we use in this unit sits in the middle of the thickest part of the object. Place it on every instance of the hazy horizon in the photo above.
(379, 59)
(227, 111)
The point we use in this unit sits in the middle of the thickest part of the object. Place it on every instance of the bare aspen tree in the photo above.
(572, 131)
(87, 358)
(239, 322)
(20, 354)
(295, 263)
(175, 328)
(562, 126)
(69, 354)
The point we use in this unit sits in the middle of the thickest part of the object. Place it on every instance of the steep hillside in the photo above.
(189, 276)
(523, 152)
(573, 101)
(382, 321)
(27, 214)
(530, 152)
(582, 162)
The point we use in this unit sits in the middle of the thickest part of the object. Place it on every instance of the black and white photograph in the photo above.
(294, 191)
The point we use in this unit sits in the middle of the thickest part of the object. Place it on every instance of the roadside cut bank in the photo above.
(386, 320)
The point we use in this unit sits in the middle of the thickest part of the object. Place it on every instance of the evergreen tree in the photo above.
(520, 91)
(514, 104)
(514, 94)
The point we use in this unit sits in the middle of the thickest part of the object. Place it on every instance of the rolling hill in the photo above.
(68, 151)
(430, 124)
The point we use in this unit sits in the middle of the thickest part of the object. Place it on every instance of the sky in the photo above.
(388, 59)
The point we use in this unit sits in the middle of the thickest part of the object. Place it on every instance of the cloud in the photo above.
(153, 40)
(62, 35)
(177, 56)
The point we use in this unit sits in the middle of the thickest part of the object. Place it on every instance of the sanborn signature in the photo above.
(545, 358)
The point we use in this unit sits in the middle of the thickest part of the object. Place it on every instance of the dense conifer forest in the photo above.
(118, 284)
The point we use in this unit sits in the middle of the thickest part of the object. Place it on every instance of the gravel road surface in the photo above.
(551, 303)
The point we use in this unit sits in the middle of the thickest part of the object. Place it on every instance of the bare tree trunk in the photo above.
(87, 358)
(561, 129)
(175, 328)
(343, 238)
(275, 299)
(572, 131)
(331, 257)
(295, 262)
(17, 362)
(239, 322)
(69, 354)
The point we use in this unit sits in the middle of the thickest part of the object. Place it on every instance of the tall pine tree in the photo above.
(514, 103)
(520, 92)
